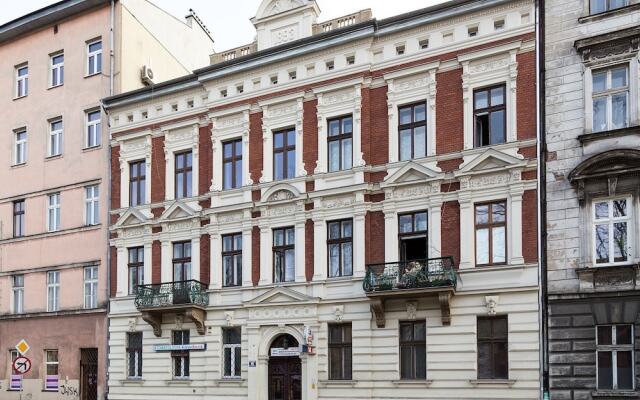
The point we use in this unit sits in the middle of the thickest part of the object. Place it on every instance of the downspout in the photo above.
(542, 197)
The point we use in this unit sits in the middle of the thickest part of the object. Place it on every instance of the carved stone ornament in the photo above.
(179, 321)
(133, 322)
(491, 302)
(624, 42)
(281, 195)
(280, 6)
(338, 313)
(412, 307)
(228, 316)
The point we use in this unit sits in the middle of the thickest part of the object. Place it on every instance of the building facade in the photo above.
(593, 206)
(58, 62)
(339, 209)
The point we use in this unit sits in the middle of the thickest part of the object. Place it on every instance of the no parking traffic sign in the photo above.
(21, 365)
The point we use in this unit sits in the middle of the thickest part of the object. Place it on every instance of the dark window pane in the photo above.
(238, 361)
(421, 361)
(605, 371)
(406, 332)
(406, 362)
(484, 361)
(227, 361)
(500, 358)
(482, 129)
(623, 334)
(604, 335)
(625, 370)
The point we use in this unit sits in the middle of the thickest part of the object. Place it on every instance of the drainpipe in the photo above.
(542, 203)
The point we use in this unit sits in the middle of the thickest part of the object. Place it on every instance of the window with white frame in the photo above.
(491, 233)
(136, 268)
(94, 57)
(610, 98)
(600, 6)
(340, 247)
(55, 137)
(412, 128)
(57, 70)
(284, 255)
(340, 143)
(284, 154)
(20, 148)
(615, 359)
(92, 205)
(91, 287)
(18, 293)
(22, 80)
(53, 212)
(93, 128)
(53, 291)
(134, 355)
(611, 223)
(232, 349)
(180, 358)
(232, 259)
(52, 370)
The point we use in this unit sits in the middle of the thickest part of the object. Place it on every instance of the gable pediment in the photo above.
(281, 295)
(131, 217)
(490, 161)
(177, 211)
(411, 173)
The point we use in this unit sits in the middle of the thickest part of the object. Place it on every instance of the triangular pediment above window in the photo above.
(411, 172)
(177, 211)
(490, 161)
(281, 295)
(131, 217)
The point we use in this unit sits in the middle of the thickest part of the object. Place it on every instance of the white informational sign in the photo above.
(282, 352)
(21, 365)
(180, 347)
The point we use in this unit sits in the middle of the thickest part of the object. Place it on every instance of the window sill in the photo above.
(21, 165)
(92, 75)
(178, 381)
(607, 394)
(92, 148)
(412, 382)
(335, 382)
(608, 267)
(229, 382)
(132, 381)
(56, 86)
(51, 158)
(501, 382)
(20, 97)
(594, 136)
(618, 11)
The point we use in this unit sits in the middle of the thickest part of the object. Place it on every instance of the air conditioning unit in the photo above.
(146, 74)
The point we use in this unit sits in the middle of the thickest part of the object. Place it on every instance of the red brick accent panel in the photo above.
(113, 267)
(308, 250)
(255, 255)
(450, 165)
(530, 226)
(205, 152)
(374, 237)
(526, 96)
(528, 152)
(450, 112)
(115, 177)
(156, 262)
(205, 251)
(310, 135)
(375, 177)
(255, 146)
(529, 175)
(158, 170)
(450, 187)
(450, 230)
(375, 126)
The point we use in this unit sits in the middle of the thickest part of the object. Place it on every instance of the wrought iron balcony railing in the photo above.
(415, 274)
(172, 294)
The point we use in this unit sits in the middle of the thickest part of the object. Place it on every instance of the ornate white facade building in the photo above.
(343, 209)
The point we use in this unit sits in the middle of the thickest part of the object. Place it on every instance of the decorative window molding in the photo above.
(135, 149)
(228, 125)
(223, 224)
(486, 68)
(279, 114)
(333, 101)
(179, 139)
(407, 87)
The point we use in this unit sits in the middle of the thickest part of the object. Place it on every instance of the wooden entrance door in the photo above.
(89, 374)
(285, 378)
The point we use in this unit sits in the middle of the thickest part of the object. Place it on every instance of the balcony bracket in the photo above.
(155, 320)
(377, 311)
(198, 317)
(445, 298)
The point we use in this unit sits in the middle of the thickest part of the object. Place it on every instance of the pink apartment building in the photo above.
(57, 63)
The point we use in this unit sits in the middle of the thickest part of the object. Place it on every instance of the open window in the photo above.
(413, 237)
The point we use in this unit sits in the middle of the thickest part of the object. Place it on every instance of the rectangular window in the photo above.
(284, 255)
(53, 212)
(340, 143)
(91, 287)
(232, 259)
(94, 57)
(57, 70)
(491, 233)
(136, 268)
(183, 172)
(413, 236)
(18, 293)
(614, 348)
(493, 354)
(340, 351)
(52, 372)
(22, 81)
(610, 98)
(284, 154)
(18, 218)
(490, 115)
(232, 164)
(413, 350)
(92, 205)
(134, 355)
(53, 291)
(611, 226)
(180, 358)
(137, 183)
(412, 128)
(55, 138)
(93, 129)
(340, 248)
(20, 151)
(232, 348)
(181, 261)
(600, 6)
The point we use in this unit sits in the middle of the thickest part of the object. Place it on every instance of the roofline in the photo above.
(371, 28)
(46, 16)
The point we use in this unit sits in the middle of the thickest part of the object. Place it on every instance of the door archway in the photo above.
(285, 369)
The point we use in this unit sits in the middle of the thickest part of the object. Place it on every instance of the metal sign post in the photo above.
(25, 364)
